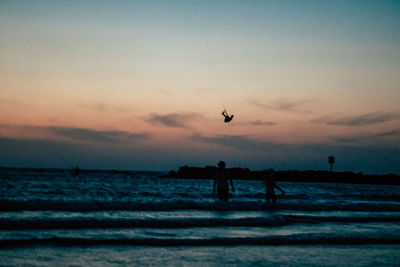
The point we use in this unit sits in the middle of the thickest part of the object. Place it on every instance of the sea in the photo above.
(49, 217)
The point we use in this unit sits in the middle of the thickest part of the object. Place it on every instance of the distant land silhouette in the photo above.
(209, 172)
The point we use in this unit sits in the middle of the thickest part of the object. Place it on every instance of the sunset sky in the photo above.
(140, 85)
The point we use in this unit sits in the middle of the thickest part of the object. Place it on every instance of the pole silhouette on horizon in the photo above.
(331, 160)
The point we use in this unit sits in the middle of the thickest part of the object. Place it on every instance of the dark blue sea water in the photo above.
(49, 217)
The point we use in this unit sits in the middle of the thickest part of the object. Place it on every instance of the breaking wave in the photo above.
(273, 240)
(99, 205)
(270, 221)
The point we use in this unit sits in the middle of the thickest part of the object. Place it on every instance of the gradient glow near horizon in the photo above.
(142, 84)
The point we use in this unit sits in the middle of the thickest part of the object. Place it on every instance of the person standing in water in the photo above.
(270, 186)
(221, 183)
(76, 171)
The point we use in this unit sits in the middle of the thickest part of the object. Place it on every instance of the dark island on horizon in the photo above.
(208, 172)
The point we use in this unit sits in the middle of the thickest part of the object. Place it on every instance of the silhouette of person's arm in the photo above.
(280, 189)
(232, 186)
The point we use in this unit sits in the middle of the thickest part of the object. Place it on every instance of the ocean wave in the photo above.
(270, 221)
(272, 240)
(100, 205)
(21, 224)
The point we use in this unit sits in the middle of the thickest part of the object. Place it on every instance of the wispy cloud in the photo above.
(240, 142)
(395, 132)
(362, 139)
(83, 134)
(284, 105)
(176, 120)
(75, 134)
(263, 123)
(359, 120)
(102, 107)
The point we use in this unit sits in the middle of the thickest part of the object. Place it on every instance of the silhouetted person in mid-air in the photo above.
(226, 116)
(221, 182)
(270, 186)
